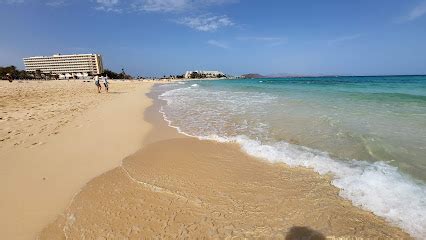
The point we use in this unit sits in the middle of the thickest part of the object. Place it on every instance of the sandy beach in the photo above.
(181, 187)
(55, 136)
(224, 119)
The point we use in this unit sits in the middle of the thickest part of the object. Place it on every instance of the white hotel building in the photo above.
(66, 66)
(208, 74)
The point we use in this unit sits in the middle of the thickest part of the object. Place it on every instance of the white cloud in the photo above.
(270, 41)
(343, 39)
(175, 5)
(218, 44)
(206, 23)
(139, 5)
(416, 12)
(11, 1)
(160, 5)
(51, 3)
(108, 5)
(56, 3)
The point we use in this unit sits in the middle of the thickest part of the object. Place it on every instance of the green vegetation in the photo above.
(202, 75)
(22, 74)
(15, 73)
(114, 75)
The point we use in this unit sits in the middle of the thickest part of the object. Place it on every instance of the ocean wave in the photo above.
(377, 187)
(388, 97)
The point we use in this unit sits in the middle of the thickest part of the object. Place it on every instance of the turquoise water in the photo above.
(369, 132)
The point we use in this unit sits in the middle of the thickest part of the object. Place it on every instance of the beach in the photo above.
(365, 132)
(114, 166)
(55, 137)
(212, 119)
(178, 186)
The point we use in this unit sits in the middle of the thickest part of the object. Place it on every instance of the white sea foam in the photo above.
(194, 85)
(169, 123)
(377, 187)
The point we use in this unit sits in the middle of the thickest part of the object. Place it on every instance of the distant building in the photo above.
(66, 66)
(207, 74)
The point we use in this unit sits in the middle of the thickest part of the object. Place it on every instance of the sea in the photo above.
(368, 133)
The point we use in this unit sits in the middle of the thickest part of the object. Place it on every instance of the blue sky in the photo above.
(157, 37)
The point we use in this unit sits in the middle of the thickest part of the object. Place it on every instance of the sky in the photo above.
(164, 37)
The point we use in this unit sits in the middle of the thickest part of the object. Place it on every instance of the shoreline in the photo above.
(299, 125)
(79, 135)
(176, 182)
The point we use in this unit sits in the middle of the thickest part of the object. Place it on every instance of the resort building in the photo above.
(207, 74)
(66, 66)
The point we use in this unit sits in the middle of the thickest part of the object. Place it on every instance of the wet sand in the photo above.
(55, 137)
(181, 187)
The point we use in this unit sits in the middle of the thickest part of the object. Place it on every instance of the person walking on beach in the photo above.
(97, 83)
(106, 83)
(9, 77)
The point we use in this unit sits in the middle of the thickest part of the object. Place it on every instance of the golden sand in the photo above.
(186, 188)
(34, 109)
(55, 136)
(180, 187)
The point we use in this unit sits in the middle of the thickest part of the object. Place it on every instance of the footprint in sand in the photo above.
(36, 144)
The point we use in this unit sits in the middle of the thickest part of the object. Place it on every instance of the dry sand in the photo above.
(55, 136)
(181, 187)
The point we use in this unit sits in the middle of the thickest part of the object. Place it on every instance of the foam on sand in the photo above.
(377, 187)
(374, 186)
(205, 189)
